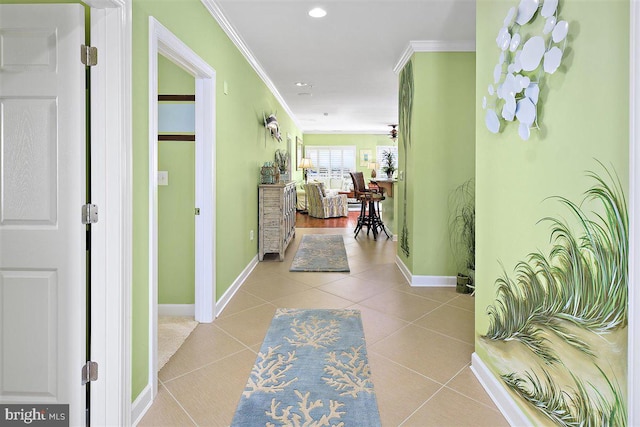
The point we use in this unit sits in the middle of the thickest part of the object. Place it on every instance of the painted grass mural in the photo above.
(405, 103)
(557, 304)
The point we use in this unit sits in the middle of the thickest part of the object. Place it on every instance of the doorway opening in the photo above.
(176, 208)
(163, 42)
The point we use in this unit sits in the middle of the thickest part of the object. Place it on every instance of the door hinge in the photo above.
(197, 211)
(89, 214)
(89, 372)
(89, 55)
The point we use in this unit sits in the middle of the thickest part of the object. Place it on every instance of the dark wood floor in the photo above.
(305, 221)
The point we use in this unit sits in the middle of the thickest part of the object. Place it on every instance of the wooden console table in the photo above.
(276, 218)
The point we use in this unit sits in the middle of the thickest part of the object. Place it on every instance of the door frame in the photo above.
(111, 190)
(165, 43)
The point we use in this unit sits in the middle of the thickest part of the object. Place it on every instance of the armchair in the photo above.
(321, 205)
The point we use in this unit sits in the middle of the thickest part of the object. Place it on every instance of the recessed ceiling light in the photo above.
(317, 12)
(305, 94)
(301, 84)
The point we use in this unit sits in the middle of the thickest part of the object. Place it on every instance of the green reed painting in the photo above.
(405, 102)
(558, 303)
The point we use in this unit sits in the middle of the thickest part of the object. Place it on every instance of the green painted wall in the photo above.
(176, 224)
(440, 157)
(176, 202)
(583, 116)
(241, 147)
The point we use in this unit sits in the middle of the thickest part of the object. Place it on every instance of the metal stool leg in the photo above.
(373, 221)
(361, 218)
(380, 223)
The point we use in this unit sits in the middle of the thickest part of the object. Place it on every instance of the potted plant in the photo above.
(388, 163)
(281, 159)
(462, 229)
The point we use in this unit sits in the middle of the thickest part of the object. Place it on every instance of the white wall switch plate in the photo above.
(163, 177)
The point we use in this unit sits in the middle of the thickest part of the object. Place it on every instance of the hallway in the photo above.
(419, 342)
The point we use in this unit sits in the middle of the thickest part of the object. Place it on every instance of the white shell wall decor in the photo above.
(524, 61)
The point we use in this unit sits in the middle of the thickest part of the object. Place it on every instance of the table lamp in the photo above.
(305, 163)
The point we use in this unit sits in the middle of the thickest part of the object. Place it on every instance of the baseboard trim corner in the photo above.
(424, 281)
(177, 310)
(141, 405)
(235, 286)
(498, 393)
(434, 281)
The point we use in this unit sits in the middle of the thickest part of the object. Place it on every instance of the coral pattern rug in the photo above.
(321, 252)
(312, 370)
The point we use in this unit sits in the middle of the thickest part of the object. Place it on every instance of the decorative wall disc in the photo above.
(523, 62)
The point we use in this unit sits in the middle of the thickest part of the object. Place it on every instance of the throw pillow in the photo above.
(322, 190)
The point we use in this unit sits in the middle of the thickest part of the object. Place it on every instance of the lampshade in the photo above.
(305, 163)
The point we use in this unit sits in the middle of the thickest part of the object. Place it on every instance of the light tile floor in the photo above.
(419, 342)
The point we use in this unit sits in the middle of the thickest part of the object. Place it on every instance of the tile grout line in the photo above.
(446, 385)
(407, 368)
(246, 347)
(205, 365)
(442, 387)
(178, 402)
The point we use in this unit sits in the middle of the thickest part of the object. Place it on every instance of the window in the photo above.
(379, 158)
(331, 162)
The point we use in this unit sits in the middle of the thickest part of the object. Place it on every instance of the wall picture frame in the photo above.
(298, 152)
(365, 157)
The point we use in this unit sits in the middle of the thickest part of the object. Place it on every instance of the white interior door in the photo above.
(42, 189)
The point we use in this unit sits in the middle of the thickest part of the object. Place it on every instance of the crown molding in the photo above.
(433, 46)
(231, 32)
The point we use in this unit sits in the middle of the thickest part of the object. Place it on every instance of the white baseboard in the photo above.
(404, 270)
(434, 281)
(231, 291)
(143, 402)
(498, 393)
(141, 405)
(425, 281)
(177, 310)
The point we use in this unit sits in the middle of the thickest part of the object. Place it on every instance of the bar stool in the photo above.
(370, 219)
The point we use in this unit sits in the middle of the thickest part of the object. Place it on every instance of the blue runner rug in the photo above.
(312, 370)
(321, 252)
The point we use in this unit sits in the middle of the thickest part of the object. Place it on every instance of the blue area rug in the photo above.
(321, 252)
(312, 370)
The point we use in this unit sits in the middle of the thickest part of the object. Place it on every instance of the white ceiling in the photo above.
(348, 57)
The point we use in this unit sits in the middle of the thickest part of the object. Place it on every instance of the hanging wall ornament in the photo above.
(524, 61)
(271, 123)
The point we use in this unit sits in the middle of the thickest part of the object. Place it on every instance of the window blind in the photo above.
(330, 161)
